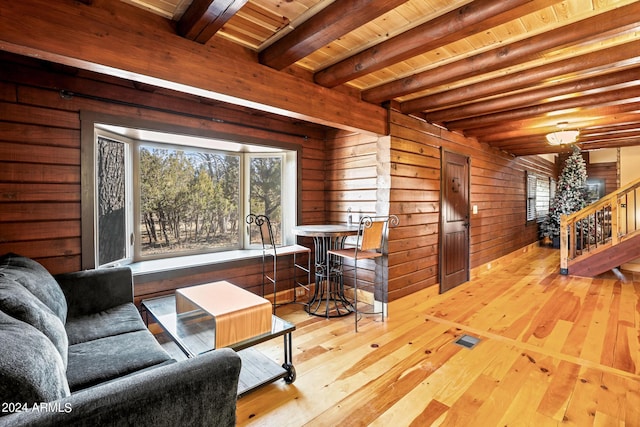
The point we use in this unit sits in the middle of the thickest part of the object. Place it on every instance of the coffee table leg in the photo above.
(288, 359)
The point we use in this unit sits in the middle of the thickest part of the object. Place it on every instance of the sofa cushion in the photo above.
(92, 291)
(19, 303)
(101, 360)
(31, 369)
(37, 280)
(114, 321)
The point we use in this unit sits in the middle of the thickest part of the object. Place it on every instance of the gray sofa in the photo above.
(74, 351)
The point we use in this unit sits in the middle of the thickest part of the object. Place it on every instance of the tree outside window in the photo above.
(189, 200)
(111, 201)
(265, 193)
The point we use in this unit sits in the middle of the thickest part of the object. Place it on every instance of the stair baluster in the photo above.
(604, 224)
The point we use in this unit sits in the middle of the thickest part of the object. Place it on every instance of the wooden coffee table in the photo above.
(204, 317)
(238, 314)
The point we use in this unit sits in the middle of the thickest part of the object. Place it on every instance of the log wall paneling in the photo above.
(352, 183)
(497, 188)
(40, 159)
(398, 174)
(606, 171)
(413, 177)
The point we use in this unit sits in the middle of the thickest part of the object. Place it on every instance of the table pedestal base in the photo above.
(328, 299)
(329, 302)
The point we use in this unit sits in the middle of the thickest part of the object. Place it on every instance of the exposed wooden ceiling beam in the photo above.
(614, 143)
(472, 18)
(584, 118)
(614, 128)
(536, 137)
(506, 56)
(592, 138)
(329, 24)
(535, 96)
(542, 147)
(535, 141)
(575, 102)
(204, 18)
(87, 37)
(524, 79)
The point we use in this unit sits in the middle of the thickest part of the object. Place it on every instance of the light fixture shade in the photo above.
(562, 137)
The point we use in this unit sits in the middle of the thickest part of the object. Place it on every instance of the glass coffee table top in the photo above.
(194, 333)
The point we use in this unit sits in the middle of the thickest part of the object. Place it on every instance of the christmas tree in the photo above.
(570, 194)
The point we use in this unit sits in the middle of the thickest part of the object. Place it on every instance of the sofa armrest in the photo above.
(92, 291)
(195, 392)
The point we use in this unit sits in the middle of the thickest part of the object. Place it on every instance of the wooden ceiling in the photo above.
(505, 72)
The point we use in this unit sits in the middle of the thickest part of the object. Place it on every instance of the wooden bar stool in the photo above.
(370, 244)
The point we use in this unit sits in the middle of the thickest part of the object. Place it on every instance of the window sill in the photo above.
(151, 267)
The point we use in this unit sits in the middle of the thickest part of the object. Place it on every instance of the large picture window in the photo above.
(168, 196)
(189, 200)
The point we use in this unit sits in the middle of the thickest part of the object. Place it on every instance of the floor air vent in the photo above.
(467, 341)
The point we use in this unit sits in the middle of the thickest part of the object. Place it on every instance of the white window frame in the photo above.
(129, 190)
(93, 128)
(530, 206)
(288, 195)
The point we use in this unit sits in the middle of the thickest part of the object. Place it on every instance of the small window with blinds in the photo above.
(540, 192)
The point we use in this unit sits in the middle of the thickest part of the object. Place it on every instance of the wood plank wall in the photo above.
(352, 182)
(40, 175)
(357, 177)
(40, 158)
(497, 188)
(606, 171)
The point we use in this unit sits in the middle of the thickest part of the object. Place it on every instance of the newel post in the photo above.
(564, 245)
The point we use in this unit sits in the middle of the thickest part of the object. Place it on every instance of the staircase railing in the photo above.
(600, 225)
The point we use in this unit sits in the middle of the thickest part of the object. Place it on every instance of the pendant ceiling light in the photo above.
(562, 136)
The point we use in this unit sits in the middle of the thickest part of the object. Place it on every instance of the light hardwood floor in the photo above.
(554, 350)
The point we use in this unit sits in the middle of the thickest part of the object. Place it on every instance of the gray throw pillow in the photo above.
(31, 370)
(19, 303)
(37, 280)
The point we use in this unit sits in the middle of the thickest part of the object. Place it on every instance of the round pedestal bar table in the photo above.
(328, 298)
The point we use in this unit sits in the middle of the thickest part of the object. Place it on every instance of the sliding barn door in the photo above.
(454, 220)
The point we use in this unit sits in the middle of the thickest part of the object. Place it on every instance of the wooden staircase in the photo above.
(602, 236)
